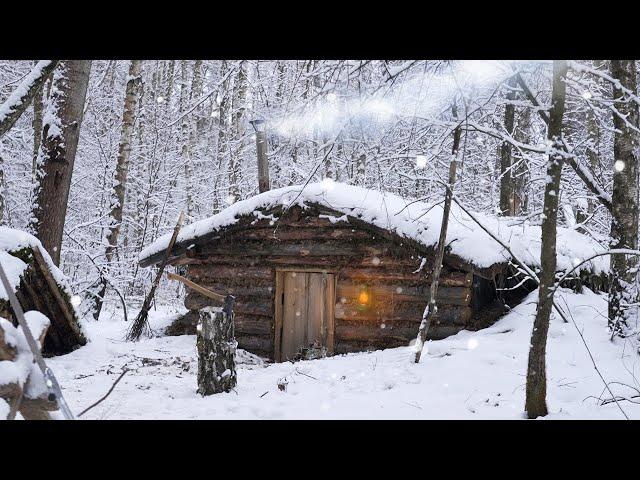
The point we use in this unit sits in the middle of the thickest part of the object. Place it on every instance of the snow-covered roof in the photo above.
(415, 220)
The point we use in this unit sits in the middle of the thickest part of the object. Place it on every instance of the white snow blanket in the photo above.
(471, 375)
(411, 219)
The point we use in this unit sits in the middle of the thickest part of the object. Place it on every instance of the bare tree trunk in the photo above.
(520, 168)
(624, 223)
(185, 153)
(122, 170)
(361, 166)
(536, 403)
(223, 120)
(3, 221)
(238, 107)
(196, 92)
(60, 135)
(506, 183)
(37, 124)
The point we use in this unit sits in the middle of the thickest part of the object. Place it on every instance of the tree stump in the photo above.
(216, 351)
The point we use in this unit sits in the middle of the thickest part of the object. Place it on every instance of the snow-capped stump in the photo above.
(39, 286)
(216, 350)
(332, 263)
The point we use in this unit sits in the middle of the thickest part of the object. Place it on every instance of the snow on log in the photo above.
(414, 220)
(40, 286)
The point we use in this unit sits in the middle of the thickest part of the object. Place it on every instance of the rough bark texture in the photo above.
(216, 349)
(60, 135)
(37, 124)
(238, 106)
(506, 174)
(624, 221)
(223, 124)
(520, 172)
(536, 392)
(2, 192)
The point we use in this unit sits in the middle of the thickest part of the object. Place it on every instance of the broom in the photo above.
(141, 323)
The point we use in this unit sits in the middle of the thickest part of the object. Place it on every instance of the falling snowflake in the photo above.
(619, 166)
(328, 183)
(421, 161)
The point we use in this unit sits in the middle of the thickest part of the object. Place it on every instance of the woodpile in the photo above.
(22, 386)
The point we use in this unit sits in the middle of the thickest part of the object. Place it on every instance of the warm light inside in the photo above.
(363, 298)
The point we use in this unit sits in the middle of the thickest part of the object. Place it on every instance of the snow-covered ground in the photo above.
(472, 375)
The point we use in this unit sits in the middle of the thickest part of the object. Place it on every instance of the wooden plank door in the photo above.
(305, 314)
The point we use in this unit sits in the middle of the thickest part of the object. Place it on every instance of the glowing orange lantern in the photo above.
(364, 298)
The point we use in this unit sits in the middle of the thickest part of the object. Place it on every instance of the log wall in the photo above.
(243, 262)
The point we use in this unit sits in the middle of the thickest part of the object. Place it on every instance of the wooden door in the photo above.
(304, 312)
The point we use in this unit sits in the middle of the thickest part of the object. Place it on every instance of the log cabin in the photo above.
(40, 286)
(348, 269)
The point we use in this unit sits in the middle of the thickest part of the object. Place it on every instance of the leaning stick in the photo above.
(141, 323)
(194, 286)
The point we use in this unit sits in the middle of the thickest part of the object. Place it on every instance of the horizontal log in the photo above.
(245, 305)
(253, 325)
(351, 332)
(447, 279)
(373, 262)
(255, 342)
(396, 294)
(446, 315)
(304, 233)
(296, 249)
(343, 346)
(206, 272)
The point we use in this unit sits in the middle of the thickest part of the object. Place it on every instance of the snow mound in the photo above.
(415, 220)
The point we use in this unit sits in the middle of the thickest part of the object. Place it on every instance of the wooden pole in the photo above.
(263, 162)
(140, 322)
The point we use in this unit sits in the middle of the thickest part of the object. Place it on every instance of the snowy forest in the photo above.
(319, 239)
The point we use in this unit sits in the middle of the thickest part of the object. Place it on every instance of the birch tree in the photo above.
(122, 171)
(536, 392)
(506, 173)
